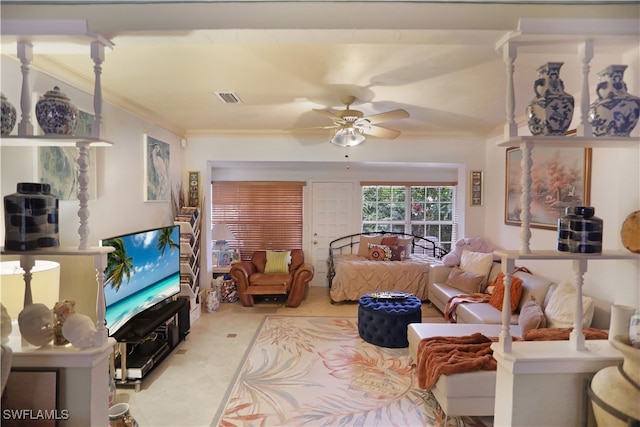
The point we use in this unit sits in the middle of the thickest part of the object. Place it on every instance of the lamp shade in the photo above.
(221, 232)
(347, 137)
(45, 285)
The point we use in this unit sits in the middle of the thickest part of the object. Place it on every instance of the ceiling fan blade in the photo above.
(381, 132)
(388, 116)
(331, 114)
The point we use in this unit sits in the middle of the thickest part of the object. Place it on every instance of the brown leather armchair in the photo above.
(251, 279)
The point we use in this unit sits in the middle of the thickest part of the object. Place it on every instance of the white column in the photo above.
(585, 52)
(577, 336)
(525, 198)
(83, 193)
(100, 264)
(97, 54)
(509, 54)
(25, 54)
(504, 339)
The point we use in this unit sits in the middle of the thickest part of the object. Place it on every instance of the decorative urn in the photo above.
(56, 114)
(615, 390)
(615, 112)
(551, 111)
(8, 116)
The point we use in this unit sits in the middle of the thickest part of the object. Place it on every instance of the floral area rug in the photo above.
(317, 371)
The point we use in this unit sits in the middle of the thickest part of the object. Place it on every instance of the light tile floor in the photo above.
(187, 388)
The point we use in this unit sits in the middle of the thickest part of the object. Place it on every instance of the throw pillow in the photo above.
(397, 252)
(531, 317)
(477, 263)
(473, 244)
(560, 309)
(379, 253)
(464, 280)
(365, 241)
(389, 240)
(408, 246)
(497, 297)
(277, 262)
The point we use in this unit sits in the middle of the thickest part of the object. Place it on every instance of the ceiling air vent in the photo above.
(228, 97)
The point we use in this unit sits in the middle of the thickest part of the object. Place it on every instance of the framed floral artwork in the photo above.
(560, 177)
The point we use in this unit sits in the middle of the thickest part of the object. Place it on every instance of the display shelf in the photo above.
(579, 38)
(556, 365)
(571, 141)
(51, 140)
(189, 221)
(558, 255)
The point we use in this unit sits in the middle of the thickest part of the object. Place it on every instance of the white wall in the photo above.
(119, 207)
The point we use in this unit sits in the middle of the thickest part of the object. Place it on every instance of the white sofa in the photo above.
(484, 313)
(472, 393)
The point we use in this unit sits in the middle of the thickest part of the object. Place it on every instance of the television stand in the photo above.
(148, 339)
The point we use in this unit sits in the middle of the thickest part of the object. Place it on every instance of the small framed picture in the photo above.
(224, 258)
(215, 258)
(194, 188)
(476, 188)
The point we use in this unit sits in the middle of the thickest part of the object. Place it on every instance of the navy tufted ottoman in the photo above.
(384, 321)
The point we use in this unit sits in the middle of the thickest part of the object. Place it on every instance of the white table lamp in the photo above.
(45, 285)
(222, 233)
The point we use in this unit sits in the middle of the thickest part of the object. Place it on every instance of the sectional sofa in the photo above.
(473, 393)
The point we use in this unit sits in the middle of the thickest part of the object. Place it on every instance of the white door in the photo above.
(333, 217)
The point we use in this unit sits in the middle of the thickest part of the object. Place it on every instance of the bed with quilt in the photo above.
(383, 261)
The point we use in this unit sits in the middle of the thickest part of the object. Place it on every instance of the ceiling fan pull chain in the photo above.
(347, 157)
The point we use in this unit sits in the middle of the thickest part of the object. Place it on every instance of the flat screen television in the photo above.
(143, 271)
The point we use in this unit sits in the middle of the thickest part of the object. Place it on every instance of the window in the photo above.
(261, 215)
(422, 210)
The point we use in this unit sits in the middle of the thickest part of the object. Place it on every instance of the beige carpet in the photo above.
(317, 371)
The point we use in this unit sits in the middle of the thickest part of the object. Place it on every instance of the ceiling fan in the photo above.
(351, 125)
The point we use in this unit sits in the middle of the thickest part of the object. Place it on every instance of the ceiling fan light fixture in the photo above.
(347, 137)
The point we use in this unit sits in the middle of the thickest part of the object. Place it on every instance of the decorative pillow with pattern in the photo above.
(386, 253)
(379, 253)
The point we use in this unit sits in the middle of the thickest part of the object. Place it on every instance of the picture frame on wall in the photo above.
(194, 188)
(58, 166)
(157, 159)
(477, 183)
(561, 177)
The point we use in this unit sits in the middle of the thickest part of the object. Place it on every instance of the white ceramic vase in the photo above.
(615, 112)
(551, 111)
(56, 114)
(615, 390)
(8, 116)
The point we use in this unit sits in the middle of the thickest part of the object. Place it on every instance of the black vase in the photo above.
(31, 218)
(579, 231)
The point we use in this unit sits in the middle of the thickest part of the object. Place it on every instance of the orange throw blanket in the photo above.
(452, 355)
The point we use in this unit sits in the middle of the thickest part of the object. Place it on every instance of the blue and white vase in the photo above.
(8, 117)
(56, 114)
(615, 112)
(551, 111)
